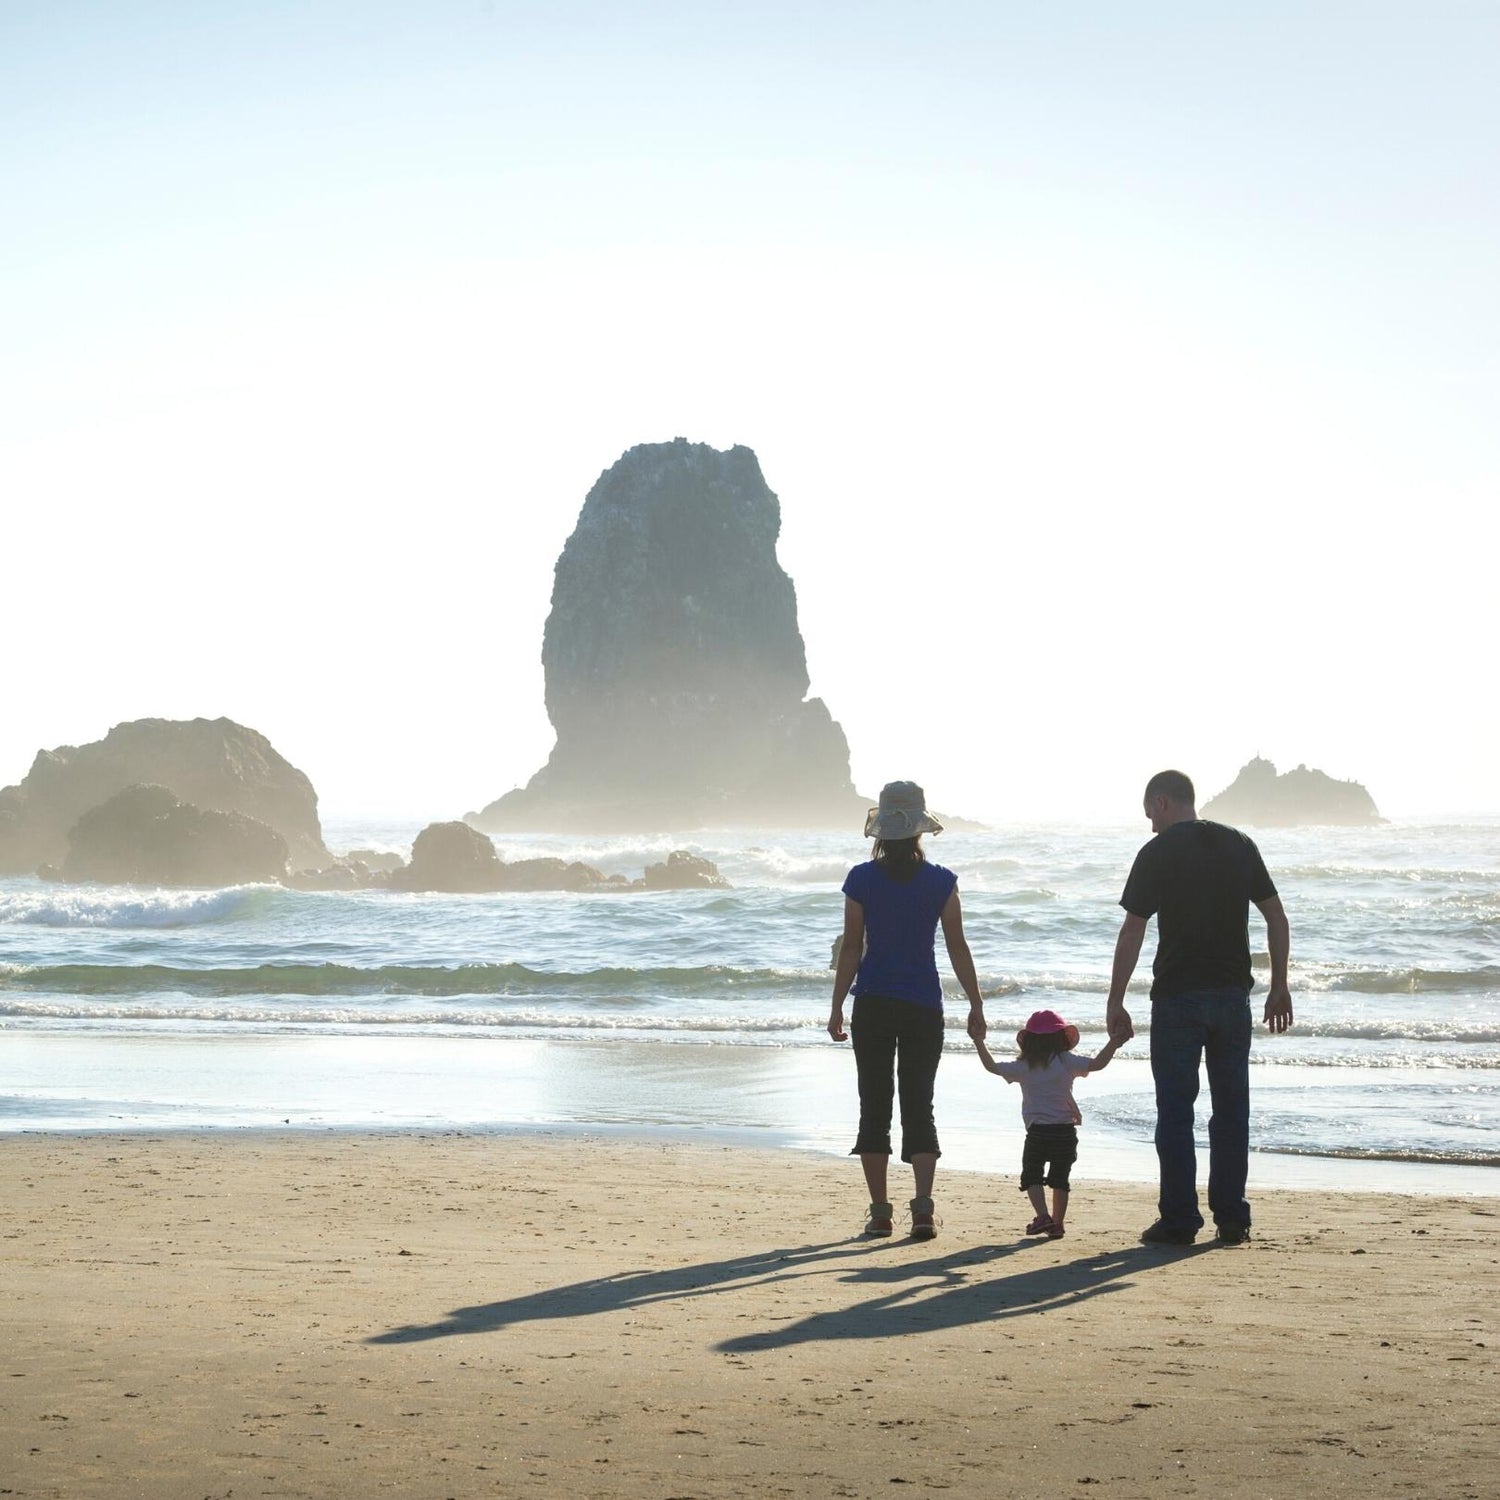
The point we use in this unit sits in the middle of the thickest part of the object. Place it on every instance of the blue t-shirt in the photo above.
(901, 918)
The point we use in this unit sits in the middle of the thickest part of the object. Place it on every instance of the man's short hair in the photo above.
(1172, 785)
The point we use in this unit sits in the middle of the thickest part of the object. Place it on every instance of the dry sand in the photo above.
(464, 1315)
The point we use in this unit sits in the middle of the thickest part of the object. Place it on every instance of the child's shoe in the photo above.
(1055, 1231)
(1040, 1225)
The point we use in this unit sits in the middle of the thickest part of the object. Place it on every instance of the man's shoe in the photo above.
(1234, 1234)
(1164, 1234)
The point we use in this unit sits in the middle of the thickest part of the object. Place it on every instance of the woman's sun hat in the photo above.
(902, 813)
(1047, 1023)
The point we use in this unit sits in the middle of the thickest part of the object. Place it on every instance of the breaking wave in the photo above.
(92, 906)
(1452, 1158)
(400, 979)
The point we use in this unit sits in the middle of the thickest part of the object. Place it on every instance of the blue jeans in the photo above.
(1212, 1025)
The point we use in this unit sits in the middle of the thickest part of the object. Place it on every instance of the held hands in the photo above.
(1279, 1008)
(978, 1027)
(836, 1022)
(1121, 1028)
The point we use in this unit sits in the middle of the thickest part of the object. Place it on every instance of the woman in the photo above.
(892, 907)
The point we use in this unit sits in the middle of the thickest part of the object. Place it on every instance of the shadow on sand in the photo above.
(942, 1291)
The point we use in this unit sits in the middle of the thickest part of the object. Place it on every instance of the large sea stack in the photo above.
(213, 764)
(1259, 798)
(676, 676)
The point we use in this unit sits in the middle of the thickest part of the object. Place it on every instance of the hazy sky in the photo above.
(1128, 373)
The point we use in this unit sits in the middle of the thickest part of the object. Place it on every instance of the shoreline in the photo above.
(1113, 1165)
(436, 1314)
(800, 1098)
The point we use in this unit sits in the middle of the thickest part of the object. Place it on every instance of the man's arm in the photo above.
(1127, 952)
(1279, 946)
(851, 950)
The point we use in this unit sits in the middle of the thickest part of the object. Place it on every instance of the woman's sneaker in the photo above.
(923, 1224)
(880, 1221)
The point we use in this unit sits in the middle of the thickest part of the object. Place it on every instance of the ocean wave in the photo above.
(649, 985)
(1432, 1155)
(1402, 1029)
(1400, 980)
(781, 867)
(397, 979)
(413, 1019)
(1412, 874)
(1476, 1059)
(92, 906)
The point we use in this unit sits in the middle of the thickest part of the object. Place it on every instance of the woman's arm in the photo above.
(851, 950)
(963, 963)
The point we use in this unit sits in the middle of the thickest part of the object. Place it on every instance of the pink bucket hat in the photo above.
(1045, 1023)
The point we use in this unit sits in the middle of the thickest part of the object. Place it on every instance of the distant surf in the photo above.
(1395, 1052)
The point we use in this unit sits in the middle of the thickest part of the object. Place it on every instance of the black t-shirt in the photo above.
(1198, 880)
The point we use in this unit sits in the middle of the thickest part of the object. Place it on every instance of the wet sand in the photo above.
(248, 1313)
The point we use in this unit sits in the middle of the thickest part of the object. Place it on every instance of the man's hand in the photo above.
(1121, 1028)
(836, 1024)
(979, 1028)
(1279, 1008)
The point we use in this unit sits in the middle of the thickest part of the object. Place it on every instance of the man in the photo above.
(1198, 880)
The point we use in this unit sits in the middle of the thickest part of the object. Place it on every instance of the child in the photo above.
(1046, 1070)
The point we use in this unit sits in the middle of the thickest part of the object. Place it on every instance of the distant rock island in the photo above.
(213, 765)
(1262, 799)
(208, 802)
(145, 835)
(455, 857)
(676, 677)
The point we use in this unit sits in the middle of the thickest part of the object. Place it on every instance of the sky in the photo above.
(1128, 374)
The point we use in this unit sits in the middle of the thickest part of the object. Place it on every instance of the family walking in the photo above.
(1198, 879)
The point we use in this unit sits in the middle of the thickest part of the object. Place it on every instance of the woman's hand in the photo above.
(978, 1027)
(836, 1023)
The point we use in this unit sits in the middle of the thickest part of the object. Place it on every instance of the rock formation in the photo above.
(683, 872)
(455, 857)
(676, 677)
(1259, 798)
(449, 857)
(144, 835)
(213, 764)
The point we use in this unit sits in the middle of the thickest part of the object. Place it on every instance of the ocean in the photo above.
(702, 1013)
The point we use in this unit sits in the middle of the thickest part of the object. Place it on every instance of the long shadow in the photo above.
(937, 1292)
(639, 1289)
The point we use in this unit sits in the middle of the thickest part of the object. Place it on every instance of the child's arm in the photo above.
(984, 1054)
(1103, 1055)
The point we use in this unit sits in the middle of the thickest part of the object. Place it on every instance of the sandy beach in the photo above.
(247, 1313)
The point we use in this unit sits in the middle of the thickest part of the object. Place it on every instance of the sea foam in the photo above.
(130, 906)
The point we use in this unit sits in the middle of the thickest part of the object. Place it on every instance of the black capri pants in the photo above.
(900, 1037)
(1054, 1145)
